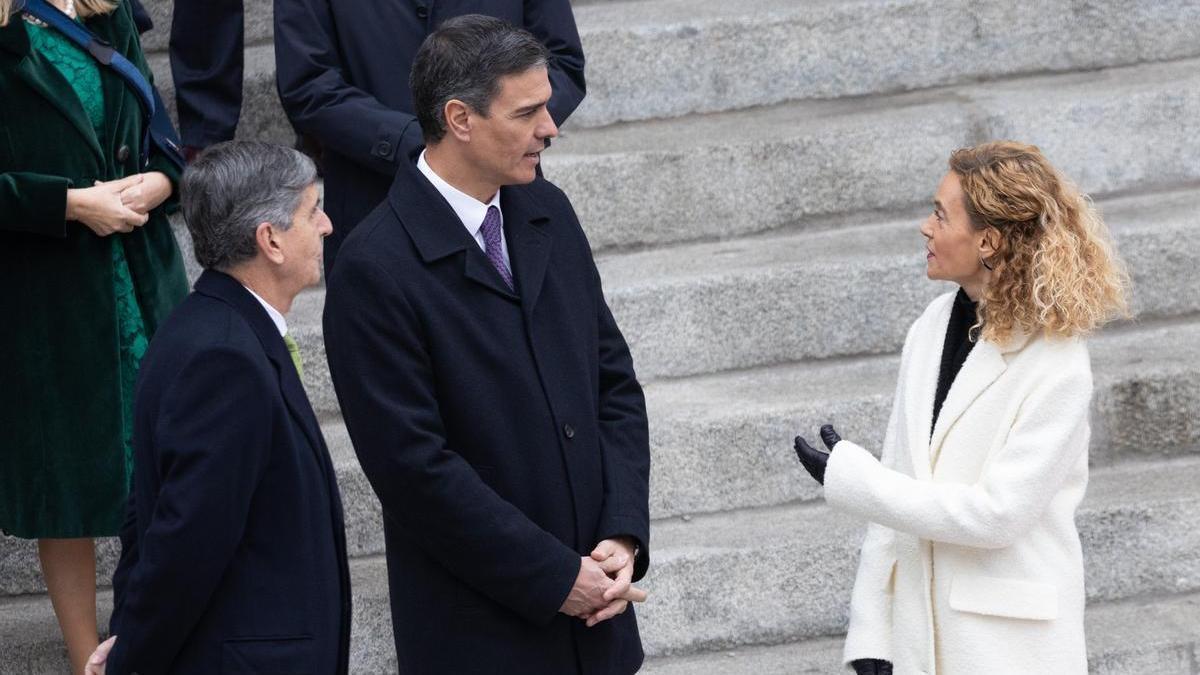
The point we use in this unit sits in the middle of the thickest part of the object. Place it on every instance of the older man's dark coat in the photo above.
(342, 70)
(505, 433)
(233, 557)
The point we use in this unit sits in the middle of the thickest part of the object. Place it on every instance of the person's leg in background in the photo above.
(207, 42)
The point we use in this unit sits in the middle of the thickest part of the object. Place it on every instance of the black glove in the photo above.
(814, 460)
(829, 437)
(871, 666)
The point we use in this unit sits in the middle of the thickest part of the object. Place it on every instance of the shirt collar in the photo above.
(469, 210)
(276, 316)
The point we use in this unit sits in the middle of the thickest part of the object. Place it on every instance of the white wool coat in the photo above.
(972, 564)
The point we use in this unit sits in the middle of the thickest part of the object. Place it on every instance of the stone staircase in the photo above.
(752, 176)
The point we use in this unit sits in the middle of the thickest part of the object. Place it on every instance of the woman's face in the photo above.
(953, 245)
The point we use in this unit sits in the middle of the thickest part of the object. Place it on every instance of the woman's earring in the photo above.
(983, 261)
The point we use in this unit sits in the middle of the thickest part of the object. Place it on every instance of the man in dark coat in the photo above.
(489, 394)
(342, 70)
(233, 555)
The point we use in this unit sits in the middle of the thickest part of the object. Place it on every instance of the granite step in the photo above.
(795, 165)
(729, 580)
(723, 442)
(669, 58)
(1135, 637)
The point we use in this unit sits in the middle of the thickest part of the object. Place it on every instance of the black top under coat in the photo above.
(955, 349)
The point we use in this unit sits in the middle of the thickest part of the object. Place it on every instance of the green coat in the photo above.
(62, 450)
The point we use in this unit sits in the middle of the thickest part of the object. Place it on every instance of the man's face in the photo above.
(301, 243)
(506, 146)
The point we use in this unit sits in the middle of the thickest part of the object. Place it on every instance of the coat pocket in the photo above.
(1009, 598)
(268, 656)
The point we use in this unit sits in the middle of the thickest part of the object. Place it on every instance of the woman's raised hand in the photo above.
(814, 460)
(101, 208)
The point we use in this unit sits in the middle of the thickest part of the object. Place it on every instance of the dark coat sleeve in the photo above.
(384, 378)
(321, 103)
(553, 23)
(212, 429)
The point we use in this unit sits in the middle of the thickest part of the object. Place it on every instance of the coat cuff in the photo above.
(848, 476)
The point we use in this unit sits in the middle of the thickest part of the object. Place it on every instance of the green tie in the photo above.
(294, 351)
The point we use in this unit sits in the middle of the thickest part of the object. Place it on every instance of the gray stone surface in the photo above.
(1126, 638)
(674, 57)
(743, 578)
(725, 175)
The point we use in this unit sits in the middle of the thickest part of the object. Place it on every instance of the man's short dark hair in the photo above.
(464, 59)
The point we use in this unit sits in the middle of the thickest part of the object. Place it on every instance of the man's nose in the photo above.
(548, 129)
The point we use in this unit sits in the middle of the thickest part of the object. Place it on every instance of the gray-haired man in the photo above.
(233, 553)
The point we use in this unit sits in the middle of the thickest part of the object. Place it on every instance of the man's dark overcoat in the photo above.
(343, 90)
(505, 433)
(233, 556)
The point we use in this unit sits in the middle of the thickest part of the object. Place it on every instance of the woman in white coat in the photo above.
(972, 563)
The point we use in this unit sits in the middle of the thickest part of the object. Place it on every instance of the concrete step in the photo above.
(1135, 637)
(725, 175)
(676, 57)
(668, 58)
(728, 580)
(848, 291)
(723, 442)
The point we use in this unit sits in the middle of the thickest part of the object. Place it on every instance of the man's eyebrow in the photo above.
(530, 108)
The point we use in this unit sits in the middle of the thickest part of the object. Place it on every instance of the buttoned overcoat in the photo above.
(504, 430)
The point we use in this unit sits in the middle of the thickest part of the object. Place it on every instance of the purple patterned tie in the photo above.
(491, 240)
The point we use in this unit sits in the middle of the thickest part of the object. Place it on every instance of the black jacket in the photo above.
(342, 72)
(233, 556)
(505, 433)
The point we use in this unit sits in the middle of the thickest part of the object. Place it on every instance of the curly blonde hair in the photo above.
(85, 8)
(1055, 269)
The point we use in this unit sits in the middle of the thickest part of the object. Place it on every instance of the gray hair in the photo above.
(464, 59)
(231, 188)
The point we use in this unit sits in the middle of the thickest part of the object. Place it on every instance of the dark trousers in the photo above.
(206, 63)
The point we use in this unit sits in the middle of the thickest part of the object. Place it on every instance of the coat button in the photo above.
(422, 12)
(123, 153)
(568, 431)
(383, 148)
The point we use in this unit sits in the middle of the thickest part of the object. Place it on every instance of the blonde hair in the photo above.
(1055, 269)
(84, 8)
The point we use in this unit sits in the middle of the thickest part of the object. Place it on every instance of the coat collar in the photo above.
(230, 291)
(44, 78)
(437, 233)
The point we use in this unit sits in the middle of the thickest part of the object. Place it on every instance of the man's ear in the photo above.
(268, 243)
(458, 119)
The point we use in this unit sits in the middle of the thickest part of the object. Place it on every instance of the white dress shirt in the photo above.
(276, 316)
(469, 210)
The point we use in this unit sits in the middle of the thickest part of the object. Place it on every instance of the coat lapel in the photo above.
(44, 78)
(920, 376)
(529, 243)
(983, 365)
(436, 230)
(228, 289)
